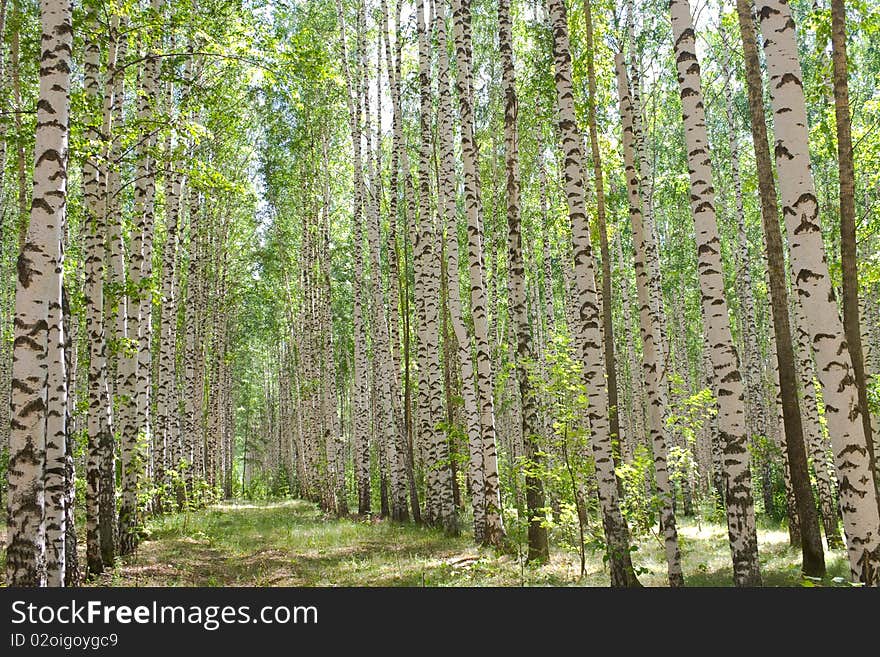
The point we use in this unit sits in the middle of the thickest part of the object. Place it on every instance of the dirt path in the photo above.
(286, 544)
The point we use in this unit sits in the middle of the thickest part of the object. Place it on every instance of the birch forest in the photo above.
(454, 292)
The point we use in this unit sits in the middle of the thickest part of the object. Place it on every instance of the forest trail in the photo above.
(292, 543)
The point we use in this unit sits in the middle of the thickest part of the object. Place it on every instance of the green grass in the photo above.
(292, 543)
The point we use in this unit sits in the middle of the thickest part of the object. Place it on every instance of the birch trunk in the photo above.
(166, 454)
(131, 382)
(756, 422)
(114, 97)
(360, 427)
(800, 209)
(98, 544)
(587, 331)
(729, 388)
(654, 366)
(190, 435)
(107, 443)
(58, 517)
(636, 415)
(393, 205)
(494, 532)
(124, 331)
(328, 371)
(21, 164)
(607, 302)
(72, 574)
(142, 253)
(38, 335)
(446, 194)
(55, 515)
(439, 504)
(388, 422)
(646, 183)
(798, 491)
(848, 241)
(539, 548)
(822, 466)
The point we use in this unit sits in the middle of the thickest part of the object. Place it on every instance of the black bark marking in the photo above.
(789, 78)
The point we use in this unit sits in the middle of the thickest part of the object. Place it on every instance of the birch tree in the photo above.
(494, 531)
(38, 412)
(814, 292)
(848, 259)
(716, 322)
(587, 330)
(539, 549)
(654, 365)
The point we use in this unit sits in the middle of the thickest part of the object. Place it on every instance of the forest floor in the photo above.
(292, 543)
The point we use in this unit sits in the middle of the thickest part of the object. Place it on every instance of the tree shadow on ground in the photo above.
(293, 543)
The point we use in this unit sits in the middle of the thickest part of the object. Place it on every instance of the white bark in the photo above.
(38, 333)
(716, 320)
(494, 531)
(815, 294)
(653, 359)
(446, 195)
(587, 329)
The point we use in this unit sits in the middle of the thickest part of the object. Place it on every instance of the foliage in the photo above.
(640, 505)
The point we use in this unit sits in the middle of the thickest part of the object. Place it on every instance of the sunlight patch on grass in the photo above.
(292, 543)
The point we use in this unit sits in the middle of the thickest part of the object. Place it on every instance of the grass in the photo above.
(292, 543)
